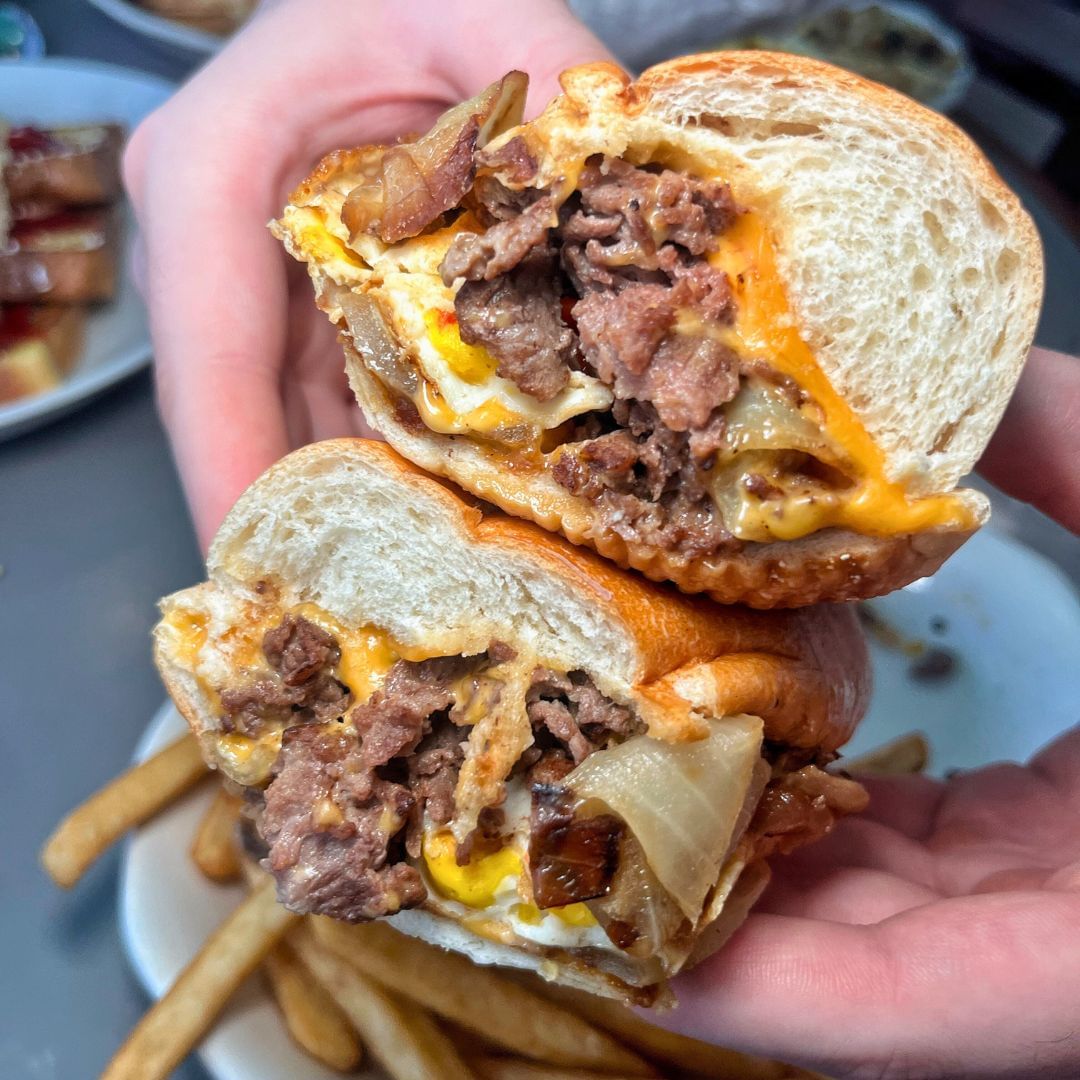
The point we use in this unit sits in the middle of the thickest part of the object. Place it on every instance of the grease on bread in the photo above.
(882, 273)
(408, 591)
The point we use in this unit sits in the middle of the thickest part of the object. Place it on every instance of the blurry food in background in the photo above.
(39, 344)
(59, 244)
(901, 45)
(212, 16)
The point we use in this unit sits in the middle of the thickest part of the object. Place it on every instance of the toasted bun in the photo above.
(350, 526)
(912, 272)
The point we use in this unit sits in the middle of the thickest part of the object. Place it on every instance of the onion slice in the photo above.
(683, 802)
(415, 182)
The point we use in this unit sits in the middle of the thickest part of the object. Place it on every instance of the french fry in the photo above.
(403, 1039)
(686, 1054)
(214, 849)
(507, 1068)
(130, 799)
(906, 754)
(477, 998)
(311, 1014)
(175, 1024)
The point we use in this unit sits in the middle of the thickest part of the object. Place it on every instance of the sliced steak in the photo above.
(329, 822)
(576, 715)
(648, 484)
(636, 342)
(517, 317)
(302, 688)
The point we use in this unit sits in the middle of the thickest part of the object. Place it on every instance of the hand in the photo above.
(1034, 452)
(937, 935)
(247, 368)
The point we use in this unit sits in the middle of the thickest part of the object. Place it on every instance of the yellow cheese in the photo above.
(189, 628)
(476, 883)
(472, 363)
(367, 653)
(247, 760)
(765, 328)
(485, 419)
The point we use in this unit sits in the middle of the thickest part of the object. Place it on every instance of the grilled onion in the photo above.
(682, 802)
(418, 181)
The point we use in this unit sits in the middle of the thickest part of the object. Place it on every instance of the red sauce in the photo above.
(16, 324)
(22, 231)
(24, 140)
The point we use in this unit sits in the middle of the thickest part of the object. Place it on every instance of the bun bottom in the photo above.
(827, 566)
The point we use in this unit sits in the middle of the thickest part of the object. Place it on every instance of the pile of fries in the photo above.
(354, 995)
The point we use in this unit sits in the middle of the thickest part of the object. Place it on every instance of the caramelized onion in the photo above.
(682, 802)
(415, 182)
(759, 417)
(372, 340)
(571, 858)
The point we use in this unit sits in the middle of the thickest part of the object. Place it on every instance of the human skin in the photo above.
(934, 936)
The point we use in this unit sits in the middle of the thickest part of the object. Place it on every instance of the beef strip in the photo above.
(329, 821)
(517, 318)
(648, 482)
(340, 795)
(302, 688)
(634, 342)
(580, 719)
(631, 243)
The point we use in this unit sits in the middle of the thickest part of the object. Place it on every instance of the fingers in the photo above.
(870, 1000)
(909, 804)
(844, 894)
(1034, 451)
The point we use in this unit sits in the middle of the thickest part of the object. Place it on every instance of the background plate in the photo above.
(117, 336)
(169, 32)
(1009, 618)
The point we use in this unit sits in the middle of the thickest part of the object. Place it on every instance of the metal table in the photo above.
(93, 529)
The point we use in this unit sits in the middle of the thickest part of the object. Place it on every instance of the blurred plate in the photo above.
(177, 35)
(1009, 619)
(52, 92)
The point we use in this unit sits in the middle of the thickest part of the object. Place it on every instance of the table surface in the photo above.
(93, 529)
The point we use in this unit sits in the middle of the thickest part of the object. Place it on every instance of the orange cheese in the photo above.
(765, 328)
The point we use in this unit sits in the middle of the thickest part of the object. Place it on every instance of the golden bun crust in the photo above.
(827, 566)
(813, 685)
(917, 292)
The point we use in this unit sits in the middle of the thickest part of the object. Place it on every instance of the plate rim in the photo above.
(19, 416)
(160, 28)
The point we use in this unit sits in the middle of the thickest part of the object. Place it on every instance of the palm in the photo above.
(957, 900)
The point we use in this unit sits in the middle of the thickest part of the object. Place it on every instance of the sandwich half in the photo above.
(512, 748)
(742, 324)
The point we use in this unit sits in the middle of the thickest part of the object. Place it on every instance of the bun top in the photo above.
(349, 525)
(912, 272)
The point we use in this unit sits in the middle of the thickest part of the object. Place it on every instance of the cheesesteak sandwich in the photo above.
(742, 324)
(510, 746)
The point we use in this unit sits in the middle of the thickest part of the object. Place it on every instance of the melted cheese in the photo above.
(189, 630)
(488, 875)
(367, 653)
(765, 328)
(248, 760)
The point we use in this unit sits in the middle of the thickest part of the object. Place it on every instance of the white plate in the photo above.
(1013, 622)
(169, 32)
(52, 92)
